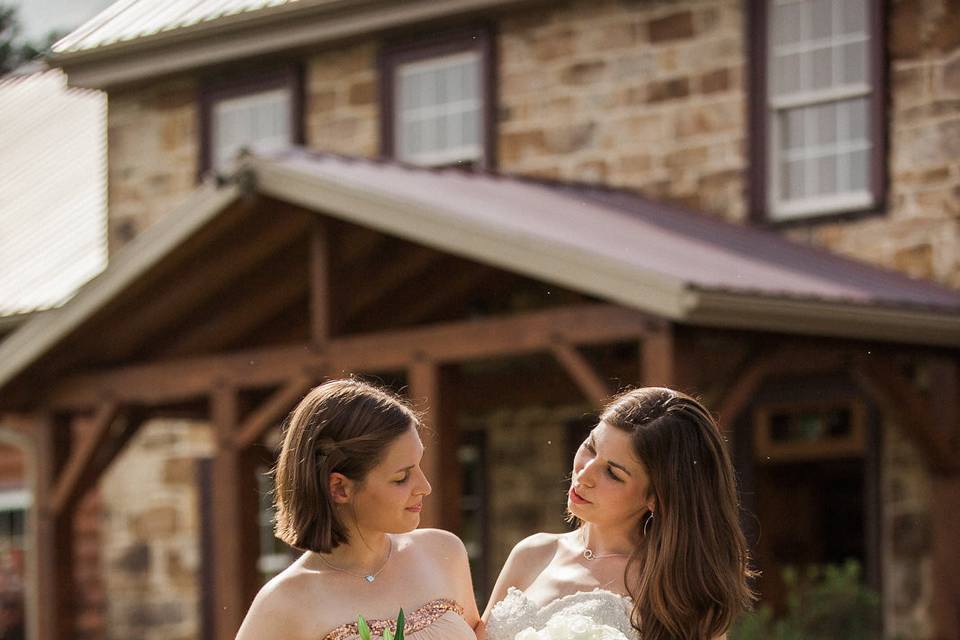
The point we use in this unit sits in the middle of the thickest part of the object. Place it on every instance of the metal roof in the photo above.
(53, 194)
(623, 230)
(128, 20)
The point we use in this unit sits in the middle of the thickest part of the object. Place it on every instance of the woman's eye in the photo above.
(405, 477)
(612, 474)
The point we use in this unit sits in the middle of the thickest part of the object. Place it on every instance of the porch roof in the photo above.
(612, 244)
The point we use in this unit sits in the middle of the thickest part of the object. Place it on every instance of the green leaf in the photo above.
(364, 629)
(400, 622)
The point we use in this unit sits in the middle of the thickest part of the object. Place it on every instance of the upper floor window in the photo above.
(437, 101)
(822, 105)
(262, 112)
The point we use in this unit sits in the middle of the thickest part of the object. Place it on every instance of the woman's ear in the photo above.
(341, 488)
(652, 504)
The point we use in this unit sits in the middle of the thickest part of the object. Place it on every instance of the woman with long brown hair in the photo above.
(658, 552)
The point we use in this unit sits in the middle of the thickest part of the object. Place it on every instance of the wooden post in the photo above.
(442, 508)
(583, 373)
(235, 521)
(51, 532)
(657, 366)
(945, 526)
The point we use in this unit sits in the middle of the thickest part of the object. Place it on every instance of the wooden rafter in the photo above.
(266, 415)
(393, 271)
(79, 468)
(582, 372)
(444, 291)
(174, 380)
(177, 301)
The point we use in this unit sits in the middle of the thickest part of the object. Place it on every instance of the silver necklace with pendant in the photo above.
(590, 555)
(370, 577)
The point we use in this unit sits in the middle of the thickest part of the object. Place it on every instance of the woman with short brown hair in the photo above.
(349, 490)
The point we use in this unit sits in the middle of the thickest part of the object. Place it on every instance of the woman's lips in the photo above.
(415, 508)
(576, 498)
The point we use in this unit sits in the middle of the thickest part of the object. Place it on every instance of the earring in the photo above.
(646, 524)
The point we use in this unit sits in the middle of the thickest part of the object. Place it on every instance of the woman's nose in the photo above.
(424, 488)
(585, 476)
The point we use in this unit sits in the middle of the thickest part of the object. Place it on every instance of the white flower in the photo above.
(571, 627)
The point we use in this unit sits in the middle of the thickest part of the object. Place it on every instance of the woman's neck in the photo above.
(364, 554)
(607, 540)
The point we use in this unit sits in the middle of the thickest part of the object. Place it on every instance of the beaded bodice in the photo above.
(440, 618)
(516, 612)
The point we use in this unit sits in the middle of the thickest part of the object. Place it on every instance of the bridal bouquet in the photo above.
(571, 627)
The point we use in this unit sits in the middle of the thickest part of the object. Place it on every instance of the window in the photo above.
(13, 516)
(275, 556)
(803, 432)
(821, 104)
(262, 112)
(437, 101)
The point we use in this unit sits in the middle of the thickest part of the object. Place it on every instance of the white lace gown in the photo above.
(516, 612)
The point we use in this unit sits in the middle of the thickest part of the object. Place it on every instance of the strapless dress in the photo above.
(516, 612)
(439, 619)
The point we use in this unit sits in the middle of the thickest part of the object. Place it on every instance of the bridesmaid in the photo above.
(349, 490)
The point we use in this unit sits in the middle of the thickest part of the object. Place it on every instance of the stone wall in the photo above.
(527, 466)
(153, 155)
(341, 92)
(645, 95)
(905, 539)
(150, 534)
(920, 233)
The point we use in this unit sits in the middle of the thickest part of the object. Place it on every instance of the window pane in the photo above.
(471, 128)
(788, 74)
(793, 132)
(825, 124)
(793, 180)
(822, 60)
(854, 67)
(788, 23)
(822, 11)
(827, 175)
(853, 14)
(258, 119)
(858, 119)
(858, 171)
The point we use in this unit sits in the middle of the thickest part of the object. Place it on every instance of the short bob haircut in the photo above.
(342, 426)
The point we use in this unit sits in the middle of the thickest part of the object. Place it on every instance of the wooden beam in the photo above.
(657, 358)
(397, 267)
(79, 474)
(174, 380)
(443, 291)
(234, 498)
(52, 538)
(945, 561)
(583, 373)
(899, 398)
(274, 407)
(319, 279)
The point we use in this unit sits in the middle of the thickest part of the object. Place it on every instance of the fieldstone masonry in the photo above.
(150, 534)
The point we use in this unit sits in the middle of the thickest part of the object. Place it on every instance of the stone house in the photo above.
(725, 127)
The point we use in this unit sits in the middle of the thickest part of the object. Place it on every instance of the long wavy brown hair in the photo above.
(689, 572)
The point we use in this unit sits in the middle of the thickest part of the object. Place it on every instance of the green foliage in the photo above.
(366, 634)
(13, 51)
(823, 603)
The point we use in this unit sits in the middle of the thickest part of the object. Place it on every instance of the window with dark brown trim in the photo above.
(438, 100)
(818, 121)
(262, 111)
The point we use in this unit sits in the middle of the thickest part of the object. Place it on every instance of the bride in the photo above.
(658, 552)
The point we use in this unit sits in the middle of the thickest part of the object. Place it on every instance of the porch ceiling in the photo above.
(612, 245)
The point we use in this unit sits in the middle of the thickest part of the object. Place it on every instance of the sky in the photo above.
(40, 17)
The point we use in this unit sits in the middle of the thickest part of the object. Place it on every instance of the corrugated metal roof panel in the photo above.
(131, 19)
(623, 228)
(52, 190)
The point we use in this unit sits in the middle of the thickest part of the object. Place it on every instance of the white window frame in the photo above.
(221, 160)
(779, 208)
(464, 153)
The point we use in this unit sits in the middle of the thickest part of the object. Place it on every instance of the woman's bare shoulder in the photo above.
(279, 610)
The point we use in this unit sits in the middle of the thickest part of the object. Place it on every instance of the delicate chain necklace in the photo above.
(590, 555)
(370, 577)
